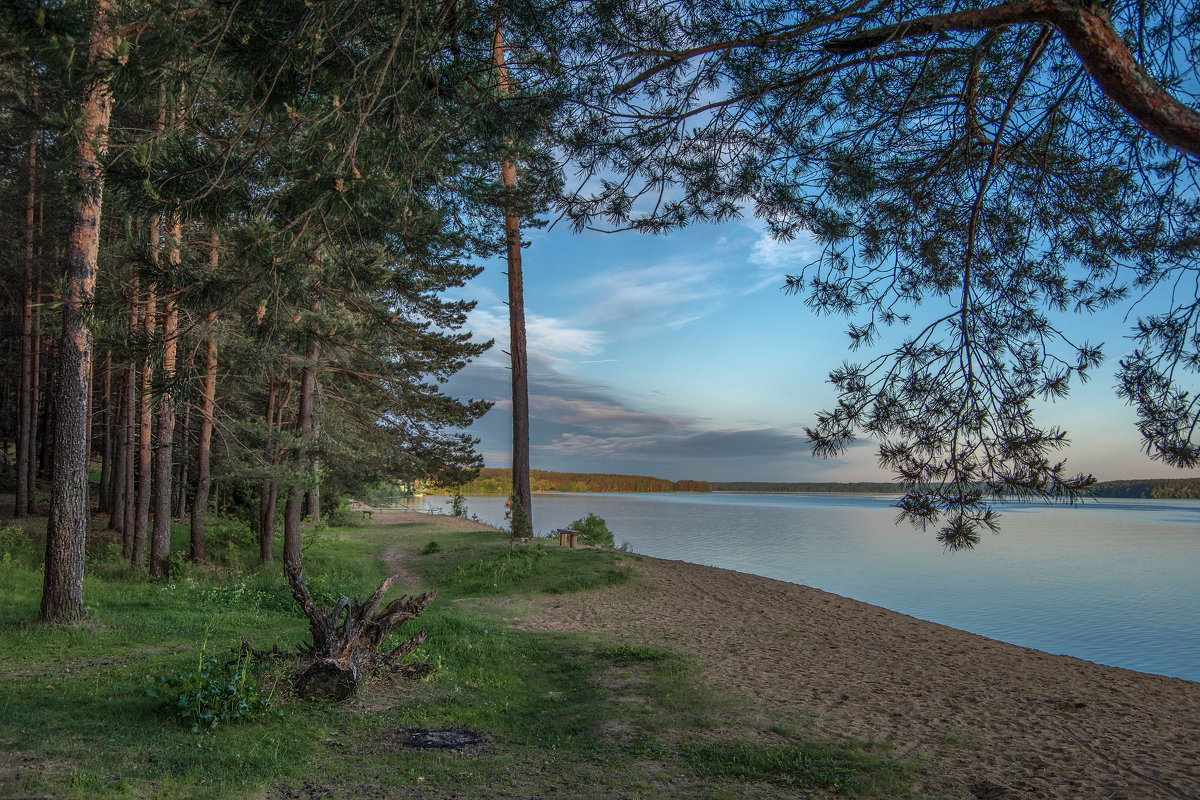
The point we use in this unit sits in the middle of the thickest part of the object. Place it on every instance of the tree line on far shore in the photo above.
(499, 482)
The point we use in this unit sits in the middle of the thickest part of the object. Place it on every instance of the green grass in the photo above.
(558, 714)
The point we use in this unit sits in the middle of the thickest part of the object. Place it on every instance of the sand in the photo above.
(989, 720)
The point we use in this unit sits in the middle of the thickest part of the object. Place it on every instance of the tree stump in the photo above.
(346, 639)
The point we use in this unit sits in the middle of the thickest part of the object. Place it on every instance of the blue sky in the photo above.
(680, 357)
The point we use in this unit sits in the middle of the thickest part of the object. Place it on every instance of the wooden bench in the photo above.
(564, 534)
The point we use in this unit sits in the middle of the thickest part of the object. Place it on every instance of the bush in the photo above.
(593, 531)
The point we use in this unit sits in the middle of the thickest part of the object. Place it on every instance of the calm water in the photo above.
(1116, 582)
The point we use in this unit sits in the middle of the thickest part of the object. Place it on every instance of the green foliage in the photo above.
(16, 548)
(431, 548)
(226, 536)
(212, 693)
(343, 516)
(593, 531)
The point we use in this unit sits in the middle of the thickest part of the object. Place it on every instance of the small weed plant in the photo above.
(213, 693)
(458, 505)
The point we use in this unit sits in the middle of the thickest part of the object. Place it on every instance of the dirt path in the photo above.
(994, 720)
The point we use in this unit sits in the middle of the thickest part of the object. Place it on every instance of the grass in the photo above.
(557, 714)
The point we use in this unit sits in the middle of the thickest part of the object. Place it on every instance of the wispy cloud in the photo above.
(773, 259)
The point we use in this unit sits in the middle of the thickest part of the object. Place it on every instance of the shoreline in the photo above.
(990, 720)
(1003, 721)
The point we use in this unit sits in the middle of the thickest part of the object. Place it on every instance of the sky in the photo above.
(681, 357)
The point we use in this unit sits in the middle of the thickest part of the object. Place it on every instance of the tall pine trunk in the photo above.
(522, 506)
(106, 433)
(160, 545)
(292, 510)
(208, 404)
(25, 408)
(141, 523)
(129, 426)
(67, 527)
(268, 498)
(35, 389)
(116, 486)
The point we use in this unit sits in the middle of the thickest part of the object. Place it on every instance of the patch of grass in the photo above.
(846, 770)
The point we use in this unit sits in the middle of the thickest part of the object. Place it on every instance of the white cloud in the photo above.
(774, 259)
(546, 337)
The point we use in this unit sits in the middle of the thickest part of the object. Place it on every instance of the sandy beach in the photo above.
(991, 720)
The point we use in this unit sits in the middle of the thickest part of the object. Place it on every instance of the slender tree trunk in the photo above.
(292, 510)
(141, 523)
(160, 546)
(106, 439)
(67, 528)
(208, 405)
(35, 371)
(522, 509)
(129, 500)
(179, 469)
(268, 498)
(25, 407)
(116, 494)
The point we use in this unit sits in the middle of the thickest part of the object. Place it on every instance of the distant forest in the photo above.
(499, 482)
(1152, 489)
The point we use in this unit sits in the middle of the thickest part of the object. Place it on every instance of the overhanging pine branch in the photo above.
(1088, 29)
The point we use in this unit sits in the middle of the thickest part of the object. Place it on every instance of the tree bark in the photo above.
(67, 527)
(141, 523)
(522, 506)
(106, 440)
(160, 544)
(208, 404)
(35, 389)
(268, 498)
(116, 498)
(25, 407)
(292, 509)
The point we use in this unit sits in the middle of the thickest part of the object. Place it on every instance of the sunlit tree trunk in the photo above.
(67, 527)
(522, 510)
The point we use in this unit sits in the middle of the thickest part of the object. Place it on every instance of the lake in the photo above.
(1112, 581)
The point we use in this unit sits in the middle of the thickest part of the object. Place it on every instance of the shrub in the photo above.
(593, 531)
(15, 546)
(458, 505)
(431, 548)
